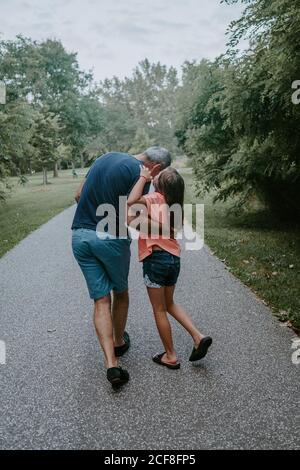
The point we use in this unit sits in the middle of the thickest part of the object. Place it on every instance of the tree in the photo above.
(140, 142)
(144, 102)
(44, 82)
(46, 141)
(16, 127)
(270, 141)
(83, 120)
(240, 125)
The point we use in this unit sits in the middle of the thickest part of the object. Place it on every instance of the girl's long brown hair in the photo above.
(171, 185)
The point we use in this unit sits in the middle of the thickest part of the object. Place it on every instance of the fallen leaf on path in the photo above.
(283, 312)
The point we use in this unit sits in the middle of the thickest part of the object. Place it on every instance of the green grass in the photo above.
(257, 249)
(30, 206)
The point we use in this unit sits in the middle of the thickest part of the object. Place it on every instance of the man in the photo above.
(104, 258)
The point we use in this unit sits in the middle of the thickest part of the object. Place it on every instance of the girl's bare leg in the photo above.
(181, 316)
(157, 299)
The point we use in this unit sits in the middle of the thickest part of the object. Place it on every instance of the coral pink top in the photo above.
(155, 207)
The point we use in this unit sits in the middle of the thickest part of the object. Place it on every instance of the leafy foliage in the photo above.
(50, 102)
(233, 116)
(239, 123)
(140, 109)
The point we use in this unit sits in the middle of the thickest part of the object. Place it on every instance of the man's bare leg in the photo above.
(119, 316)
(104, 329)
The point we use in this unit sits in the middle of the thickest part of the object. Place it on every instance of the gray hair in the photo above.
(158, 154)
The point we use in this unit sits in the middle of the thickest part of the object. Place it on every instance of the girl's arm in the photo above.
(136, 194)
(136, 197)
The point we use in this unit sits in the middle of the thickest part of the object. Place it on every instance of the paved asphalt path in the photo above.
(54, 393)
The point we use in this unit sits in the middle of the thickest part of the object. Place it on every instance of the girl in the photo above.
(161, 261)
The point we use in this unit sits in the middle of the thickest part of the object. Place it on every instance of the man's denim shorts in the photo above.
(161, 269)
(103, 260)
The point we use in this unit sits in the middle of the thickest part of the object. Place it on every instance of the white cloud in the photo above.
(112, 36)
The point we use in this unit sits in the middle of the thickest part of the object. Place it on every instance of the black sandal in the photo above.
(201, 351)
(157, 359)
(117, 376)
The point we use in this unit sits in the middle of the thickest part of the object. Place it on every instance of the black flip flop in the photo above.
(121, 350)
(200, 352)
(157, 360)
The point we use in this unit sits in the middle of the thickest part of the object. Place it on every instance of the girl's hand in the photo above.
(145, 173)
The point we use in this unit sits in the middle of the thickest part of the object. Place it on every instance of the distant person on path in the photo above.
(104, 258)
(161, 261)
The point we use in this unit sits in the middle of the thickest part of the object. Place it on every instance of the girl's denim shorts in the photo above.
(161, 269)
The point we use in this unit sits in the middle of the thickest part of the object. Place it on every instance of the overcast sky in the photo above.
(112, 36)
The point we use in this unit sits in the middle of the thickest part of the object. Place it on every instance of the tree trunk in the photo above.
(55, 170)
(45, 177)
(82, 161)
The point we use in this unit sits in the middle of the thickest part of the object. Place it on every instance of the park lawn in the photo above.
(30, 206)
(262, 253)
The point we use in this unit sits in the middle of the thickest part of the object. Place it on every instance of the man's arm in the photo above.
(79, 190)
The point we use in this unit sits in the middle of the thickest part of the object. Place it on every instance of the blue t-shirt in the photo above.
(111, 176)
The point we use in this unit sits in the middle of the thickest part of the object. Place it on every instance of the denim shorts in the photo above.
(161, 269)
(104, 261)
